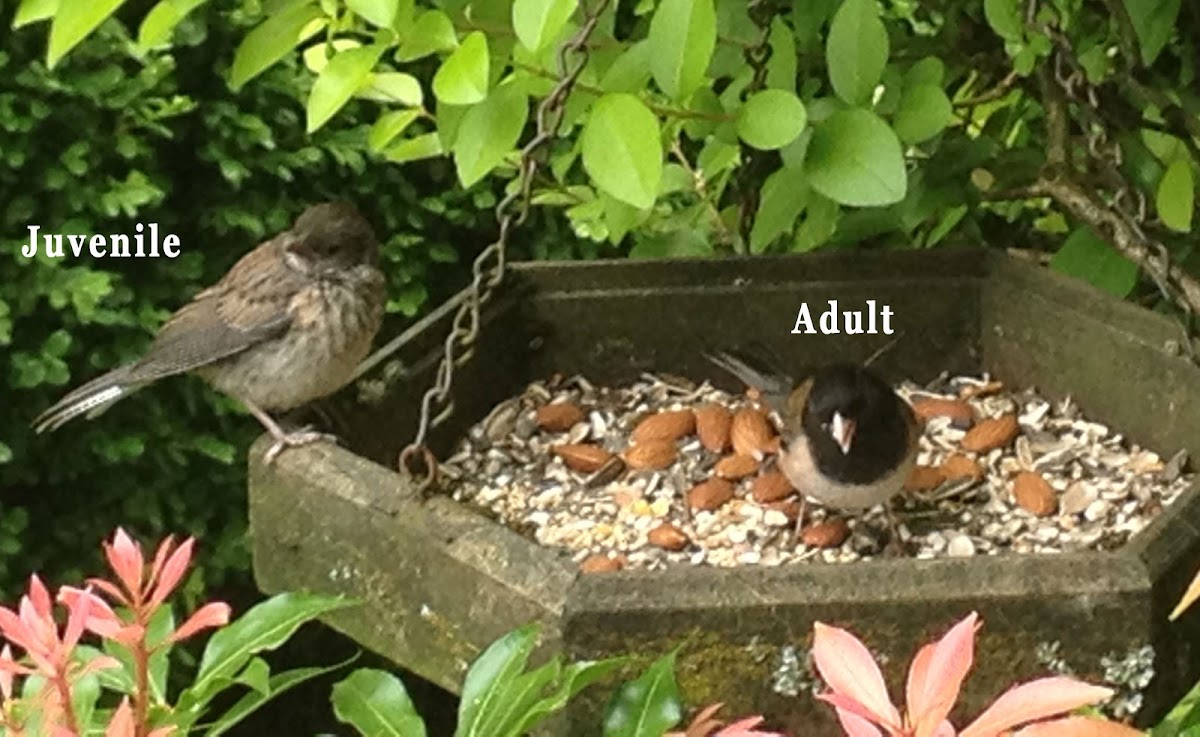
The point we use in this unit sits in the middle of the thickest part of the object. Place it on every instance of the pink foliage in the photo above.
(864, 709)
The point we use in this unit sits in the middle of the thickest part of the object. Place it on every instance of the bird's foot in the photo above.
(897, 548)
(898, 545)
(295, 439)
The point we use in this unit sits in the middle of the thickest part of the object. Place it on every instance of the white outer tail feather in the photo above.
(90, 405)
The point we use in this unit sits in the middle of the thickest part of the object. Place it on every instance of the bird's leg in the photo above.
(799, 520)
(895, 546)
(284, 439)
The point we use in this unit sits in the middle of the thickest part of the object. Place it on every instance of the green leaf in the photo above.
(85, 692)
(924, 112)
(32, 11)
(380, 13)
(781, 66)
(684, 243)
(621, 149)
(489, 131)
(394, 87)
(856, 51)
(389, 125)
(251, 702)
(683, 34)
(72, 23)
(413, 149)
(376, 704)
(158, 24)
(1087, 257)
(490, 677)
(1154, 23)
(431, 32)
(1004, 16)
(256, 676)
(265, 626)
(463, 77)
(162, 624)
(6, 454)
(784, 195)
(819, 224)
(345, 74)
(538, 22)
(574, 678)
(648, 706)
(272, 40)
(855, 159)
(771, 119)
(631, 70)
(1176, 196)
(930, 70)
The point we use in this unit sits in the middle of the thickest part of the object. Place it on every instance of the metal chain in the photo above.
(761, 13)
(489, 267)
(1104, 152)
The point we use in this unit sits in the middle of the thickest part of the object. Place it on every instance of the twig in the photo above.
(1104, 220)
(1002, 88)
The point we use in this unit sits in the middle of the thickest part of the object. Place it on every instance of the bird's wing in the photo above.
(758, 371)
(248, 306)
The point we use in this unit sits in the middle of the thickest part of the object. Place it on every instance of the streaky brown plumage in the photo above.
(288, 323)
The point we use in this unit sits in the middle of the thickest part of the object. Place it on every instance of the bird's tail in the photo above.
(90, 399)
(756, 370)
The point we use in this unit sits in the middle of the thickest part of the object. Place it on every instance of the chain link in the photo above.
(489, 267)
(1126, 201)
(761, 13)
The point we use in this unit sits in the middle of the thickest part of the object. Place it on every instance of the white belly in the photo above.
(800, 469)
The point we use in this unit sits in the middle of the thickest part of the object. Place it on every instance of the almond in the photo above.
(959, 412)
(600, 564)
(751, 433)
(712, 426)
(668, 537)
(652, 454)
(735, 467)
(665, 425)
(991, 434)
(981, 390)
(959, 466)
(924, 478)
(1034, 494)
(558, 417)
(827, 534)
(710, 494)
(771, 487)
(582, 457)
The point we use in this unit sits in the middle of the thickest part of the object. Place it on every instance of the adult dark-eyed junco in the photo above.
(848, 440)
(288, 323)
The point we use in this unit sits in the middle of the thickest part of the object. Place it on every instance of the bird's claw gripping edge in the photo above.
(295, 440)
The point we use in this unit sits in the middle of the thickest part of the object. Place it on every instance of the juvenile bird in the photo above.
(287, 324)
(848, 440)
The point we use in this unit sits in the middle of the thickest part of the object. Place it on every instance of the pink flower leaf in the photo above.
(847, 666)
(213, 614)
(941, 677)
(1029, 702)
(856, 726)
(168, 577)
(1079, 727)
(121, 724)
(125, 559)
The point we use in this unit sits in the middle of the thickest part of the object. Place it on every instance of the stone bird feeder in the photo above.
(440, 581)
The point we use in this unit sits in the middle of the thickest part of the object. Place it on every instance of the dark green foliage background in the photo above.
(108, 140)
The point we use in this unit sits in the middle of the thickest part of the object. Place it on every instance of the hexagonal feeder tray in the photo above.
(440, 581)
